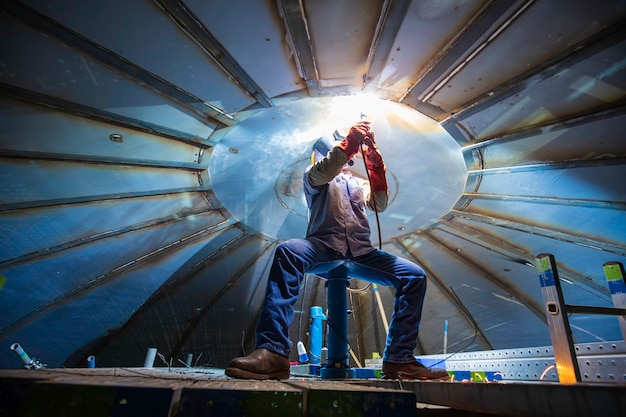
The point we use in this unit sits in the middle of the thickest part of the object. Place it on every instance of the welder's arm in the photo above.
(327, 168)
(357, 134)
(378, 179)
(379, 202)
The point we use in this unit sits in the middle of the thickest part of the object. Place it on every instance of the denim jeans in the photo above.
(295, 257)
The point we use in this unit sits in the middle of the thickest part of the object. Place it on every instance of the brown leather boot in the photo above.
(412, 370)
(260, 364)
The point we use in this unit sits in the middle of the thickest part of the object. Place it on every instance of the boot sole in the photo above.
(243, 374)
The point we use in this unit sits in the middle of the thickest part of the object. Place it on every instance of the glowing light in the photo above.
(344, 111)
(387, 117)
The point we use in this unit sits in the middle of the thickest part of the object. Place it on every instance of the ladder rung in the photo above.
(607, 311)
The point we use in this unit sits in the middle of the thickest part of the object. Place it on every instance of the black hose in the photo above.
(380, 242)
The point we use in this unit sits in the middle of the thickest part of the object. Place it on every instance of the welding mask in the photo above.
(324, 144)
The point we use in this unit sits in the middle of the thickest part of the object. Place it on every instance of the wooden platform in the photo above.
(187, 392)
(183, 392)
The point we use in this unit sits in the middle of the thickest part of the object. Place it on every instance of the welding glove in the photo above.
(350, 144)
(375, 164)
(373, 157)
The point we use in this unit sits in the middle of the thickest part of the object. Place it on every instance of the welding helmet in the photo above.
(324, 144)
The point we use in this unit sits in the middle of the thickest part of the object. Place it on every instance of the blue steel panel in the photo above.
(423, 21)
(584, 284)
(497, 312)
(508, 262)
(83, 320)
(587, 85)
(257, 47)
(40, 129)
(344, 32)
(591, 183)
(26, 180)
(44, 65)
(56, 335)
(206, 308)
(537, 35)
(144, 35)
(606, 225)
(38, 282)
(560, 143)
(38, 229)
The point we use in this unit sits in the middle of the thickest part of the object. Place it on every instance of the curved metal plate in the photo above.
(256, 169)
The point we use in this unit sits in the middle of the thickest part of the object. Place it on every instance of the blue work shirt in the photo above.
(337, 216)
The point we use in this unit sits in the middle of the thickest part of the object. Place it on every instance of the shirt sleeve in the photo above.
(323, 171)
(377, 200)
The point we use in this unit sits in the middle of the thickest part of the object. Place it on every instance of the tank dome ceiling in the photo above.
(256, 169)
(151, 158)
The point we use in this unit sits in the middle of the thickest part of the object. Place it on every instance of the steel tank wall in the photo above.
(150, 154)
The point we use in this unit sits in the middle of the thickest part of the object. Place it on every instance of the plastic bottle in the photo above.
(324, 355)
(315, 347)
(304, 358)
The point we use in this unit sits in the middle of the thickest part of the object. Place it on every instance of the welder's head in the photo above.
(316, 156)
(324, 144)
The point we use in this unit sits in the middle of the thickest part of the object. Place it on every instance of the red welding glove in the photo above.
(376, 168)
(373, 159)
(350, 144)
(375, 164)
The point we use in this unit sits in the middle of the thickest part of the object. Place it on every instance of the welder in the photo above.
(338, 232)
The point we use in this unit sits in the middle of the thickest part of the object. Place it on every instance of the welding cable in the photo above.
(380, 242)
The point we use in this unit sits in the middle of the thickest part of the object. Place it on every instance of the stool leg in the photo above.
(337, 362)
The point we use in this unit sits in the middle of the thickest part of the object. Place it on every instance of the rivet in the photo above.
(116, 137)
